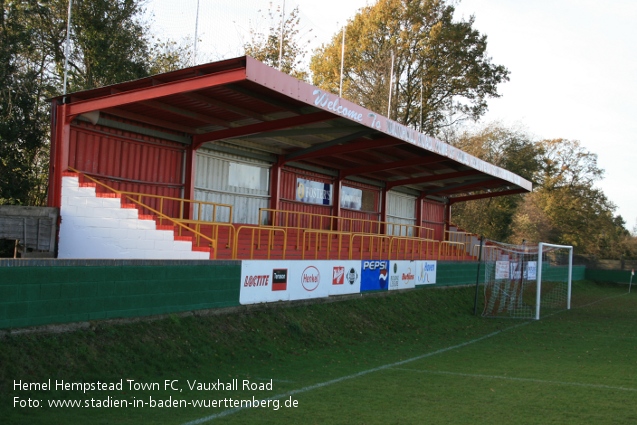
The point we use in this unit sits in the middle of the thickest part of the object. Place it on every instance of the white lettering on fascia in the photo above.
(325, 101)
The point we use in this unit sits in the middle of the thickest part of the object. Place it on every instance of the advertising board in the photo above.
(264, 281)
(426, 272)
(346, 277)
(402, 275)
(374, 275)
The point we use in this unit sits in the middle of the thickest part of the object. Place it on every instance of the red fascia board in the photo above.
(154, 92)
(266, 126)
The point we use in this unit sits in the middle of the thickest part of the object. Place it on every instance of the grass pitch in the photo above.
(419, 357)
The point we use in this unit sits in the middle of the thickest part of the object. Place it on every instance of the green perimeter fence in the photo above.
(44, 292)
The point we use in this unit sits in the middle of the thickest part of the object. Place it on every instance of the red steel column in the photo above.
(189, 181)
(275, 187)
(62, 141)
(419, 217)
(383, 208)
(447, 219)
(336, 201)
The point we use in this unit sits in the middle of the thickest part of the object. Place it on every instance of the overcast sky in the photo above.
(573, 65)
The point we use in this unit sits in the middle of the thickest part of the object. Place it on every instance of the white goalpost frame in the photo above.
(541, 246)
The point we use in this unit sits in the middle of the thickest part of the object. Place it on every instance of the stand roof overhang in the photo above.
(242, 104)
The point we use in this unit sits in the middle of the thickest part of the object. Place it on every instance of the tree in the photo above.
(23, 123)
(281, 47)
(442, 72)
(110, 44)
(510, 149)
(170, 55)
(566, 207)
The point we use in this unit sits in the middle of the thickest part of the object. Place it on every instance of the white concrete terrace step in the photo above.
(98, 225)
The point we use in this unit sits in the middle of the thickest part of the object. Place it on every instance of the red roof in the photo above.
(241, 104)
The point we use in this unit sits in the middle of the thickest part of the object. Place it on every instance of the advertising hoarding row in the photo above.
(281, 280)
(513, 270)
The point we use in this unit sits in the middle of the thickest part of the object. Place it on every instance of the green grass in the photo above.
(415, 357)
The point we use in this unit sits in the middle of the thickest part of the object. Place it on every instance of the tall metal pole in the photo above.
(340, 87)
(194, 55)
(67, 47)
(391, 83)
(281, 41)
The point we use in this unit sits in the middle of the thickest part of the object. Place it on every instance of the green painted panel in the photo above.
(617, 276)
(453, 273)
(52, 291)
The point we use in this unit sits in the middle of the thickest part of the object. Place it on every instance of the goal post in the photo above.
(542, 247)
(522, 281)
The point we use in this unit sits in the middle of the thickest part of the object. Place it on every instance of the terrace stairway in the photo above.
(95, 224)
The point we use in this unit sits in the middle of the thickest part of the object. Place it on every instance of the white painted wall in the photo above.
(95, 227)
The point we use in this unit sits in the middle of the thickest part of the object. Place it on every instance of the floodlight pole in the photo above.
(340, 86)
(67, 47)
(391, 82)
(194, 54)
(281, 40)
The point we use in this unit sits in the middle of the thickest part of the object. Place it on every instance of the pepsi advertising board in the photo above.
(374, 275)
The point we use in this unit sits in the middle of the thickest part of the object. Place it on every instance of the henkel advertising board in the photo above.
(426, 272)
(346, 277)
(309, 279)
(374, 275)
(264, 281)
(402, 275)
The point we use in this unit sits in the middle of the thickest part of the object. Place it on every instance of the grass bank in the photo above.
(287, 347)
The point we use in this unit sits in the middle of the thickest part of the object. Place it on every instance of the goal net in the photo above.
(523, 281)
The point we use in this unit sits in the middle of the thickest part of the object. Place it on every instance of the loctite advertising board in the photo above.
(264, 281)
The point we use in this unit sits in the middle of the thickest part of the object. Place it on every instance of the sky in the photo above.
(572, 63)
